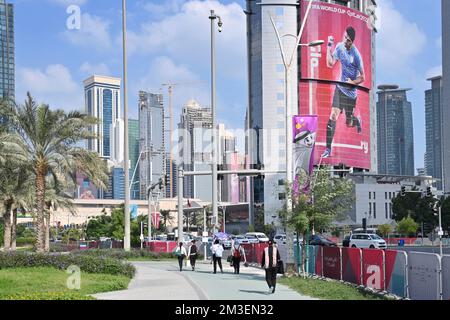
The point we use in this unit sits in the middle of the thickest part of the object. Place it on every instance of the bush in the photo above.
(25, 241)
(122, 254)
(89, 264)
(46, 296)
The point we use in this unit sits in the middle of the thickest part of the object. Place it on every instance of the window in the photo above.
(280, 110)
(279, 11)
(281, 196)
(280, 68)
(280, 125)
(281, 182)
(280, 96)
(386, 210)
(374, 195)
(370, 208)
(374, 210)
(279, 24)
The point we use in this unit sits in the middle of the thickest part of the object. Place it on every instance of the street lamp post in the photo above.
(213, 17)
(126, 244)
(288, 114)
(440, 232)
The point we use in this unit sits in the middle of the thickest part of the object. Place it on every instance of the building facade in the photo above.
(195, 128)
(133, 138)
(395, 133)
(152, 165)
(265, 119)
(434, 121)
(7, 55)
(102, 101)
(446, 90)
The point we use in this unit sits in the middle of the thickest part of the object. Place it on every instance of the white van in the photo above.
(259, 235)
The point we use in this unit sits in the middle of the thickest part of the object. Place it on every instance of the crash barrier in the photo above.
(414, 275)
(424, 276)
(445, 265)
(161, 246)
(401, 241)
(254, 251)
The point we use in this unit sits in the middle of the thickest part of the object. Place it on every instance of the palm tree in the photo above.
(49, 139)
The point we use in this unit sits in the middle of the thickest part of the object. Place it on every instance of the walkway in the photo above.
(164, 281)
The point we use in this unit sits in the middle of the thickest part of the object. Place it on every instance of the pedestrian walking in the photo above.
(269, 261)
(192, 254)
(217, 251)
(180, 252)
(238, 255)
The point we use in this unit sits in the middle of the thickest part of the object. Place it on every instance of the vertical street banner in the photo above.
(304, 136)
(335, 81)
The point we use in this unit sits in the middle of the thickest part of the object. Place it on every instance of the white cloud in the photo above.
(54, 86)
(185, 37)
(89, 69)
(69, 2)
(399, 40)
(439, 43)
(433, 72)
(93, 34)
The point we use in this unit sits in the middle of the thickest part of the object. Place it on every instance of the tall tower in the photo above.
(152, 166)
(395, 132)
(102, 101)
(446, 90)
(195, 130)
(434, 122)
(7, 56)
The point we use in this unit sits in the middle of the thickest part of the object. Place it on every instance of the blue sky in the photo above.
(169, 41)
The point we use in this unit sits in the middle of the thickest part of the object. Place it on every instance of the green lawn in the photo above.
(327, 290)
(50, 284)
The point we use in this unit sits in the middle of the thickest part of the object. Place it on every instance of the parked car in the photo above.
(366, 240)
(259, 235)
(252, 239)
(241, 239)
(280, 238)
(319, 240)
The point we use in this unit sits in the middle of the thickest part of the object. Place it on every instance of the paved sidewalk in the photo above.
(164, 281)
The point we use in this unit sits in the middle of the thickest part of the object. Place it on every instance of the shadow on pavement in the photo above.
(253, 291)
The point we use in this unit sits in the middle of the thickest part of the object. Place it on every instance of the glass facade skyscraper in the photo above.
(446, 90)
(395, 133)
(7, 58)
(133, 138)
(434, 126)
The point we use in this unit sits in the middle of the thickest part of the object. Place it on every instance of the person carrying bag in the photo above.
(238, 255)
(180, 252)
(193, 254)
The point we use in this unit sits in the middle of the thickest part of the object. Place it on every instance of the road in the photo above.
(164, 281)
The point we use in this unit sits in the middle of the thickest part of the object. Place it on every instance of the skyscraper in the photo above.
(395, 132)
(195, 130)
(133, 137)
(152, 166)
(7, 58)
(433, 128)
(446, 90)
(102, 101)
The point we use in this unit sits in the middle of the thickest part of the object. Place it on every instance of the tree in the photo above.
(49, 140)
(420, 209)
(385, 229)
(407, 226)
(330, 198)
(445, 214)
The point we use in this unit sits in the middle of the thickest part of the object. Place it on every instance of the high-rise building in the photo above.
(7, 43)
(434, 121)
(174, 180)
(152, 166)
(446, 91)
(395, 132)
(266, 116)
(195, 130)
(102, 101)
(133, 137)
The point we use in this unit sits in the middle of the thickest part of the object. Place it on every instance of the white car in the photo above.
(240, 239)
(365, 240)
(280, 238)
(252, 239)
(259, 235)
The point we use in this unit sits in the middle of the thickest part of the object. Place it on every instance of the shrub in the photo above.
(122, 254)
(46, 296)
(25, 241)
(89, 264)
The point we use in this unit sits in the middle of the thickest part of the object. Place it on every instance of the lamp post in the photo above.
(213, 17)
(126, 244)
(288, 62)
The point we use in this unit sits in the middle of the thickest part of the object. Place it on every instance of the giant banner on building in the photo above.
(335, 81)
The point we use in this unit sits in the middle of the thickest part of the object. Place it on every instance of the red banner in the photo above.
(332, 262)
(351, 265)
(373, 269)
(156, 217)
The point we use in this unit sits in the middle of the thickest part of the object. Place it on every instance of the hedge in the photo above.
(122, 254)
(86, 263)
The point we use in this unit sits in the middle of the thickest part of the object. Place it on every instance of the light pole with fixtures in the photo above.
(213, 17)
(126, 244)
(288, 113)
